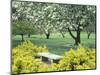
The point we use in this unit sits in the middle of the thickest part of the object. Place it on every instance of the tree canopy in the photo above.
(51, 17)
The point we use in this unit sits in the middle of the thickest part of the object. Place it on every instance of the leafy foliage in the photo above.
(28, 46)
(82, 58)
(23, 58)
(51, 17)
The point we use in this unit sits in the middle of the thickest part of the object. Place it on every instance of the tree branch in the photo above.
(74, 27)
(71, 33)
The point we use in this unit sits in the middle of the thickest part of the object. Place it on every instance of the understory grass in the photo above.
(56, 44)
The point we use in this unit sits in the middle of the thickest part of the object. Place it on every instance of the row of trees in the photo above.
(46, 18)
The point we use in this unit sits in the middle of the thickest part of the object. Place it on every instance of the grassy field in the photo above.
(56, 44)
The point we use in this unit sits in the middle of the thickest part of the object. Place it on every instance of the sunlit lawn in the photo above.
(56, 44)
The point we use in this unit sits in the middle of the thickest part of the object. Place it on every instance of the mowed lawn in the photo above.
(56, 44)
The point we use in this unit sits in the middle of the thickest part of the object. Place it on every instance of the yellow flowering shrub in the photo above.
(82, 58)
(23, 58)
(28, 46)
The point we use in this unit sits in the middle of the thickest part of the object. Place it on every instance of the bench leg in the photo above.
(41, 58)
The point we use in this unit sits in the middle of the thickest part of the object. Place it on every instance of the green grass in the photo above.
(56, 44)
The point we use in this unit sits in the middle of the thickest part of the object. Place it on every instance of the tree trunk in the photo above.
(62, 34)
(48, 36)
(77, 40)
(47, 33)
(22, 35)
(29, 35)
(88, 35)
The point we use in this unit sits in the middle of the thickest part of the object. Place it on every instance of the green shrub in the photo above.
(24, 61)
(28, 46)
(82, 58)
(23, 58)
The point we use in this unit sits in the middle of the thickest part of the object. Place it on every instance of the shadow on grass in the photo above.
(55, 45)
